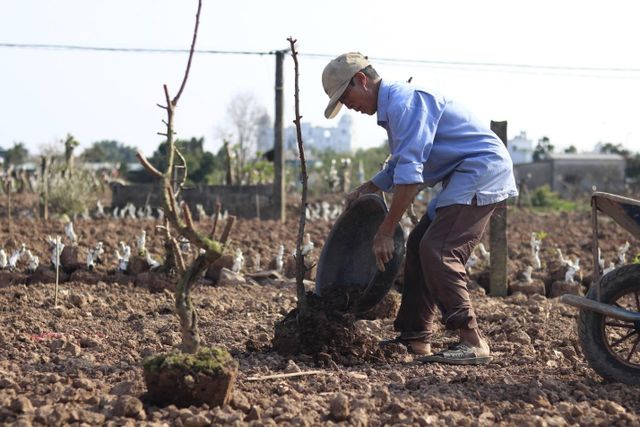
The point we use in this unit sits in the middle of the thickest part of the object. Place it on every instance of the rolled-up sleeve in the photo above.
(384, 179)
(412, 130)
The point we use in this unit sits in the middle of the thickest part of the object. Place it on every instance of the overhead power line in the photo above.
(125, 49)
(495, 64)
(618, 72)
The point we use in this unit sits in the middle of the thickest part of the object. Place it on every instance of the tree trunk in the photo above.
(184, 306)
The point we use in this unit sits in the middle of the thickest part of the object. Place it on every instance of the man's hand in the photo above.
(383, 240)
(382, 248)
(366, 188)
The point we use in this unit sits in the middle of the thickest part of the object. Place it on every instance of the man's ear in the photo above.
(362, 79)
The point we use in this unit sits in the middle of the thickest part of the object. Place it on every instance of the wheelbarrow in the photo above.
(347, 259)
(609, 319)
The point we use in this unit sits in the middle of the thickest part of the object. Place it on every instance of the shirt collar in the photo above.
(383, 100)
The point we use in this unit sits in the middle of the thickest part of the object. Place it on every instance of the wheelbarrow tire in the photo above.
(591, 326)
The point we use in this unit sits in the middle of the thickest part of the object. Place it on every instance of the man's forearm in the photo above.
(402, 198)
(369, 187)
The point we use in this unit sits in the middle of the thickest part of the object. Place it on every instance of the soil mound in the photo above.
(329, 331)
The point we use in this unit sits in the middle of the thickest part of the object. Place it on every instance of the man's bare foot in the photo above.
(474, 339)
(417, 347)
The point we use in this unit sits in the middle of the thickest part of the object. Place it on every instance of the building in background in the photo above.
(315, 138)
(521, 148)
(574, 174)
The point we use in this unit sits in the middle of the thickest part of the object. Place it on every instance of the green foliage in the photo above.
(632, 169)
(16, 155)
(636, 259)
(371, 158)
(217, 174)
(571, 149)
(541, 234)
(200, 163)
(261, 171)
(109, 151)
(543, 197)
(70, 143)
(208, 360)
(611, 148)
(72, 194)
(543, 148)
(633, 166)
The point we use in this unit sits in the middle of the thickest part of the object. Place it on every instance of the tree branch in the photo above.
(184, 307)
(227, 229)
(148, 166)
(215, 220)
(184, 164)
(186, 212)
(193, 45)
(300, 266)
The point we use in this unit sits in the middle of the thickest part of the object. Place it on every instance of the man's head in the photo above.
(349, 79)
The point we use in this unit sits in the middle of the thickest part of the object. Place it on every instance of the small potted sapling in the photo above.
(193, 374)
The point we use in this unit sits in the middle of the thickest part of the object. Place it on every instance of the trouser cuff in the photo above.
(461, 319)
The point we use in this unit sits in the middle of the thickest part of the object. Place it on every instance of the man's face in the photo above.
(360, 96)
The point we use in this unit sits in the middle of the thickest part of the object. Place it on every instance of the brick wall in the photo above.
(240, 200)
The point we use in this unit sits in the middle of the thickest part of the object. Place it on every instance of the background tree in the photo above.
(109, 151)
(611, 148)
(217, 175)
(371, 158)
(571, 149)
(70, 144)
(543, 148)
(201, 163)
(244, 115)
(632, 169)
(52, 150)
(16, 155)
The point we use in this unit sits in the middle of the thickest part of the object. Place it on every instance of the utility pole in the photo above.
(279, 212)
(498, 234)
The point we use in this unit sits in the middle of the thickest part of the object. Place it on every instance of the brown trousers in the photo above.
(435, 274)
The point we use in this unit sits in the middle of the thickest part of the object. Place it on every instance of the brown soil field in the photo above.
(79, 363)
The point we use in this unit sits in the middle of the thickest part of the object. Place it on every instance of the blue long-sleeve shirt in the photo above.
(433, 140)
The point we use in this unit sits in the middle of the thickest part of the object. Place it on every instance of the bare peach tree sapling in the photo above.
(198, 374)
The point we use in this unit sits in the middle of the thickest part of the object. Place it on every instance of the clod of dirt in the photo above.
(230, 278)
(45, 274)
(340, 407)
(85, 276)
(7, 279)
(69, 259)
(190, 379)
(561, 287)
(137, 265)
(155, 282)
(327, 331)
(536, 286)
(385, 309)
(213, 272)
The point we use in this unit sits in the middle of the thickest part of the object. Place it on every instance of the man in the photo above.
(432, 140)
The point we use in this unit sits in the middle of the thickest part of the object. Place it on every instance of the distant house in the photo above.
(573, 174)
(110, 166)
(317, 138)
(521, 148)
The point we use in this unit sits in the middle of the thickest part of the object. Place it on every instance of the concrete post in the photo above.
(498, 234)
(279, 183)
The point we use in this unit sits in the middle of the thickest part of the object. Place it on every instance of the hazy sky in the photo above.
(47, 93)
